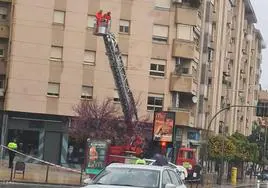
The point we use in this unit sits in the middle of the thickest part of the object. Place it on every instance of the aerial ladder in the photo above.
(120, 78)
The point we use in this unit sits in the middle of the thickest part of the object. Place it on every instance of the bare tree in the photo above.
(97, 120)
(103, 120)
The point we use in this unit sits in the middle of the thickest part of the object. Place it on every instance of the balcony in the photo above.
(185, 48)
(4, 31)
(183, 83)
(188, 16)
(183, 116)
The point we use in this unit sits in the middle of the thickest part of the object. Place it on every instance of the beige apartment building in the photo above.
(233, 63)
(184, 56)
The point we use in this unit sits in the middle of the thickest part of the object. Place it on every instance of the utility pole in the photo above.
(265, 139)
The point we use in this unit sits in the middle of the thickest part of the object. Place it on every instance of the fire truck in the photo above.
(125, 95)
(127, 102)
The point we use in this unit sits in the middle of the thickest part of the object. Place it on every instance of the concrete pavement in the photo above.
(37, 173)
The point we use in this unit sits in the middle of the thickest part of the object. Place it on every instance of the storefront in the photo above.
(39, 135)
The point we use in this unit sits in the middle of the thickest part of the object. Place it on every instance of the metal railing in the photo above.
(37, 171)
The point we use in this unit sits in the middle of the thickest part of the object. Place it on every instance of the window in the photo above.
(155, 102)
(89, 57)
(3, 13)
(213, 32)
(166, 179)
(160, 33)
(157, 67)
(124, 26)
(53, 89)
(2, 53)
(87, 92)
(185, 70)
(174, 178)
(2, 83)
(210, 54)
(56, 53)
(162, 4)
(116, 96)
(185, 32)
(125, 60)
(90, 21)
(59, 17)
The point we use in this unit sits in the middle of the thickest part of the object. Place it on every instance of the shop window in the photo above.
(76, 152)
(193, 135)
(27, 140)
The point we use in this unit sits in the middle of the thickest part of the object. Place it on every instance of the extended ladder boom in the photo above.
(117, 66)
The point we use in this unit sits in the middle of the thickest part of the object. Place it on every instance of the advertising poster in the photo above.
(163, 126)
(96, 156)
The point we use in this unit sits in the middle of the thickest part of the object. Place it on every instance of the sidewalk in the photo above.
(245, 183)
(37, 173)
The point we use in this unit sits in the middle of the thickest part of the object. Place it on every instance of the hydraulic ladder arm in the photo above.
(119, 74)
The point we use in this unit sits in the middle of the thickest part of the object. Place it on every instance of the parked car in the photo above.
(130, 175)
(263, 176)
(181, 171)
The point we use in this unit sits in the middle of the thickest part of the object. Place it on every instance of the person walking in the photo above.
(12, 145)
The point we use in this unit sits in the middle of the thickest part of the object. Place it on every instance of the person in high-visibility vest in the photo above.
(12, 145)
(141, 160)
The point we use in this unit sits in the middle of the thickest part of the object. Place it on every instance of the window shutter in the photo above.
(160, 31)
(91, 21)
(185, 32)
(89, 56)
(53, 88)
(87, 91)
(158, 61)
(156, 95)
(125, 59)
(59, 17)
(116, 96)
(124, 23)
(56, 52)
(163, 3)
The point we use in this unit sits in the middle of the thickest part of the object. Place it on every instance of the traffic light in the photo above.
(163, 144)
(262, 109)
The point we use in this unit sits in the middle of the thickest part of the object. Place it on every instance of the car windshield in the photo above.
(129, 177)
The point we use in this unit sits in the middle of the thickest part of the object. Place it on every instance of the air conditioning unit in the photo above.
(177, 1)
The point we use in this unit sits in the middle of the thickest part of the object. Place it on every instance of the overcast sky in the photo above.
(261, 7)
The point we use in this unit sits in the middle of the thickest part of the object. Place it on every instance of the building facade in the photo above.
(231, 72)
(175, 54)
